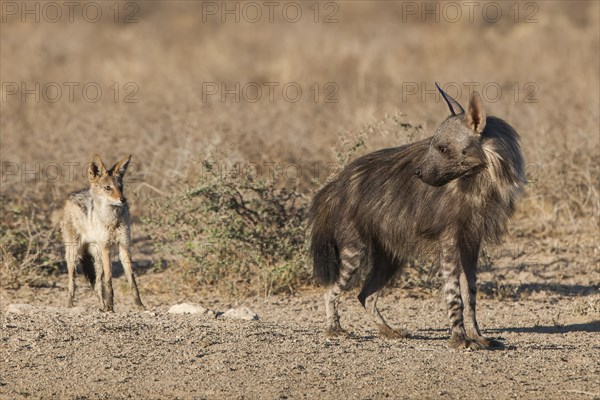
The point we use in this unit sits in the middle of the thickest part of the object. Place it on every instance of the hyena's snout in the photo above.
(432, 175)
(427, 173)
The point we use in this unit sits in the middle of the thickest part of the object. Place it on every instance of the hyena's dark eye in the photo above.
(442, 149)
(106, 188)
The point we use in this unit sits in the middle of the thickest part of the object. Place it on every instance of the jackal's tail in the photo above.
(323, 245)
(87, 265)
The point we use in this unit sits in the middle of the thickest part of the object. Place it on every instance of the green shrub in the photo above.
(235, 230)
(30, 245)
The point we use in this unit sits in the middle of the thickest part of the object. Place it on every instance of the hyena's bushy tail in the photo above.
(87, 265)
(323, 245)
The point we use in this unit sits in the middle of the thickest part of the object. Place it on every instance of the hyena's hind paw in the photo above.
(390, 333)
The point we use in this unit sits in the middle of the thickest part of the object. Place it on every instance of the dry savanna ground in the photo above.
(234, 121)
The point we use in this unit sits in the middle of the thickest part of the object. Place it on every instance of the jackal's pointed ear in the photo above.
(121, 167)
(96, 168)
(475, 116)
(453, 105)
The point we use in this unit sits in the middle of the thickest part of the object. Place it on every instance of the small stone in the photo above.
(77, 310)
(150, 313)
(240, 313)
(187, 308)
(20, 309)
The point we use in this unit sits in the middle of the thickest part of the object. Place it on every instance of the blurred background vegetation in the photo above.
(219, 189)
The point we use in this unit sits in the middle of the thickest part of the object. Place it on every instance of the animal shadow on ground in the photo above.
(421, 334)
(593, 326)
(489, 289)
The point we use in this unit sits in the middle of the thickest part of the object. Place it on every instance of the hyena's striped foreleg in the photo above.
(352, 255)
(383, 270)
(451, 272)
(468, 287)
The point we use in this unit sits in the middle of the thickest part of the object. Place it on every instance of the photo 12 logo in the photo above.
(270, 11)
(270, 171)
(69, 11)
(95, 250)
(70, 92)
(54, 171)
(451, 12)
(253, 92)
(491, 92)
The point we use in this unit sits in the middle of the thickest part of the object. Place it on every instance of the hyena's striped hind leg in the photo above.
(352, 256)
(382, 272)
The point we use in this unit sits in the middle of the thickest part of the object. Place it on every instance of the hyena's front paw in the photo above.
(487, 343)
(477, 343)
(462, 342)
(391, 333)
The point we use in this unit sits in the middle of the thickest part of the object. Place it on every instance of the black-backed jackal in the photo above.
(94, 220)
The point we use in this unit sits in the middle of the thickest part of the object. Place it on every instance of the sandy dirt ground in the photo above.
(552, 350)
(540, 291)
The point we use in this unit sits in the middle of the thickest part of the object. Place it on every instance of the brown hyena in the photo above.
(449, 193)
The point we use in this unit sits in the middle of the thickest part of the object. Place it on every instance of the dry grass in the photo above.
(370, 54)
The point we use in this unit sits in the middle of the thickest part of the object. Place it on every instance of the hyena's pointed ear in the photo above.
(453, 105)
(475, 116)
(96, 168)
(121, 167)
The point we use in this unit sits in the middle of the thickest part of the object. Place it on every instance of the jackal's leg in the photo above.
(96, 253)
(351, 256)
(108, 289)
(383, 270)
(468, 288)
(72, 253)
(126, 260)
